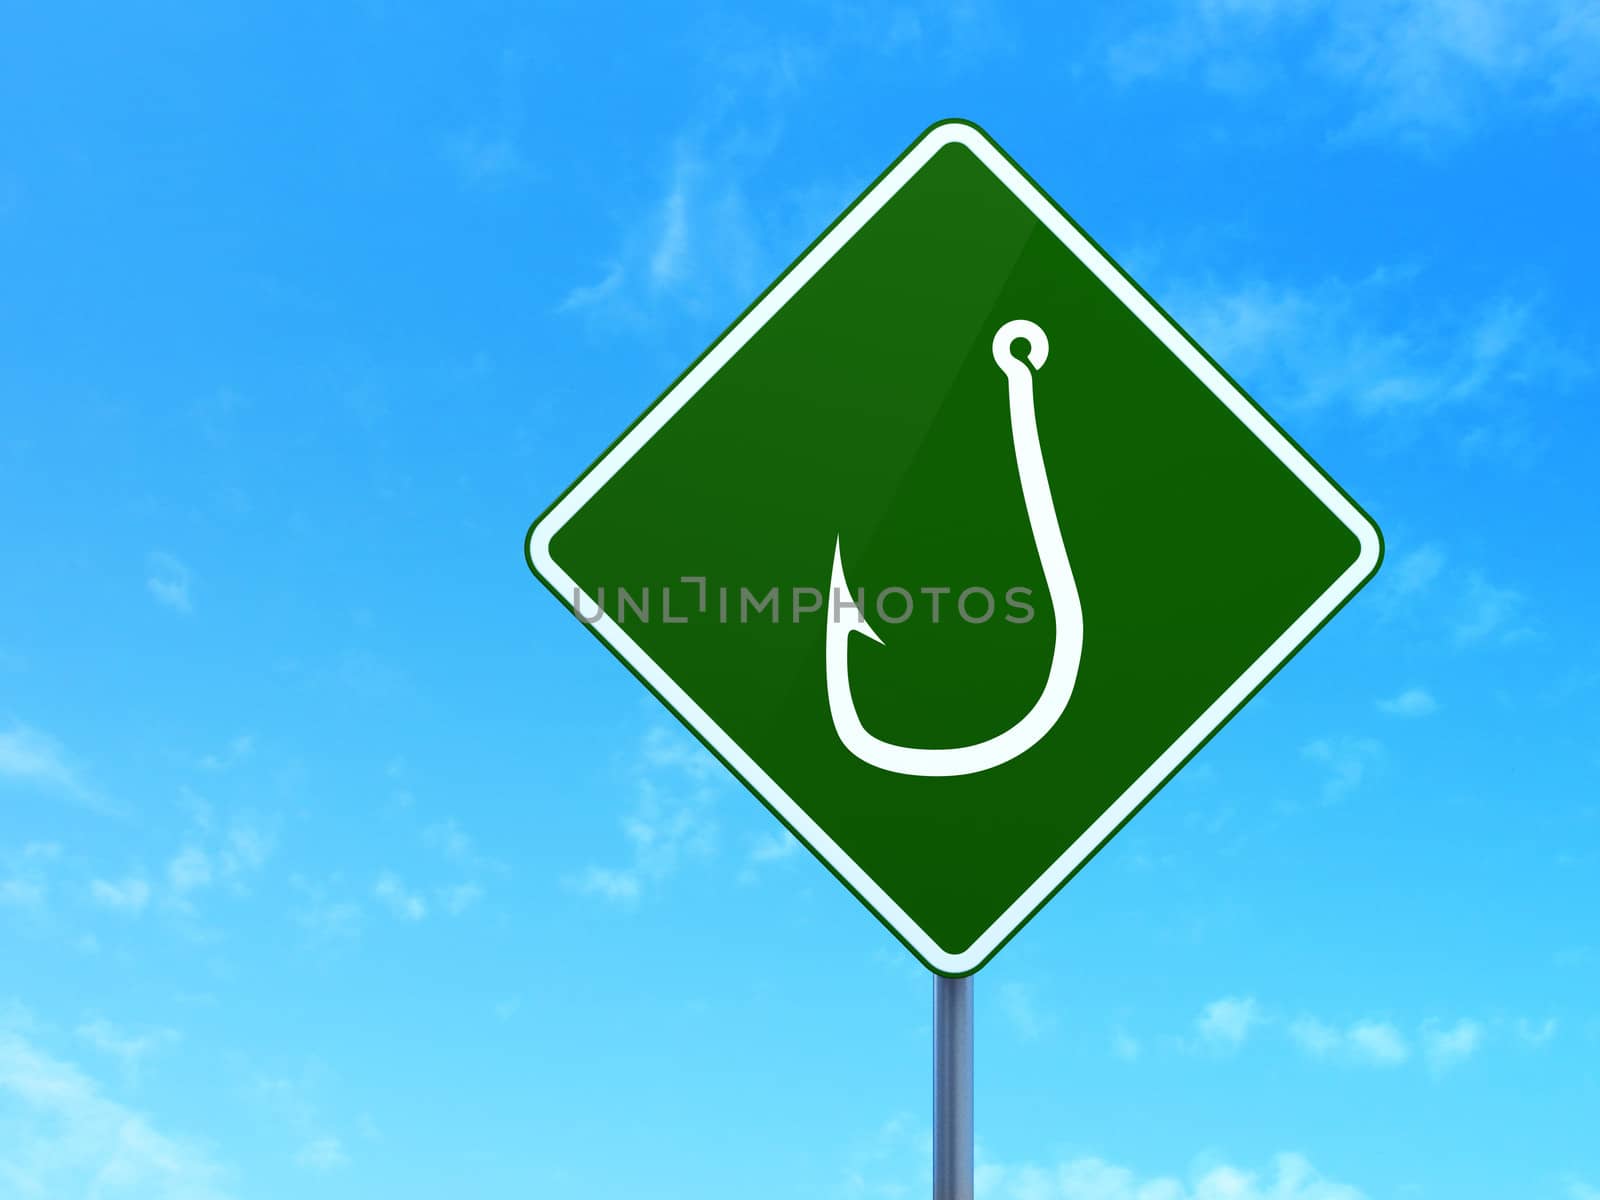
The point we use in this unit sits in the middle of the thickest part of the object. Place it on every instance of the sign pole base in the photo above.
(952, 1088)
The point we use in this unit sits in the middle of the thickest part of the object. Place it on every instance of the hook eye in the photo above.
(1005, 340)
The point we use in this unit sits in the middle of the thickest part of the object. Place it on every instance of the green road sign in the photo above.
(954, 548)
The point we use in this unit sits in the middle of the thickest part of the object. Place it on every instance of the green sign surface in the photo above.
(954, 548)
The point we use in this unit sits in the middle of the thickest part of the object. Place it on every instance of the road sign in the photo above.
(954, 548)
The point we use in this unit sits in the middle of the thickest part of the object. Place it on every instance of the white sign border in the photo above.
(974, 956)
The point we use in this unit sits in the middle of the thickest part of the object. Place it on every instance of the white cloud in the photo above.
(892, 1163)
(1377, 1042)
(238, 750)
(593, 294)
(1417, 70)
(1470, 610)
(670, 747)
(1290, 1177)
(331, 921)
(696, 246)
(1227, 1022)
(65, 1137)
(1345, 762)
(1369, 1043)
(672, 242)
(22, 893)
(485, 158)
(325, 918)
(30, 757)
(774, 846)
(27, 885)
(168, 581)
(1413, 702)
(1415, 571)
(1022, 1011)
(1125, 1046)
(1445, 1047)
(405, 904)
(291, 1103)
(665, 829)
(1360, 348)
(491, 152)
(129, 1049)
(705, 239)
(1489, 614)
(129, 895)
(1423, 67)
(189, 869)
(322, 1154)
(1536, 1034)
(230, 859)
(450, 840)
(1577, 1189)
(616, 886)
(245, 850)
(672, 821)
(1315, 1037)
(456, 899)
(771, 847)
(456, 846)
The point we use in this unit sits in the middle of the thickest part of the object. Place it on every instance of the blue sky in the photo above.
(336, 859)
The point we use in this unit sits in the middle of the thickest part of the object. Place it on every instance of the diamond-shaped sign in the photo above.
(954, 548)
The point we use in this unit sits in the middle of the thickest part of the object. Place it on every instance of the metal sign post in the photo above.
(952, 1088)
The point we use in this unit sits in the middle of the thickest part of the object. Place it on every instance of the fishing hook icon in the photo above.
(1063, 589)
